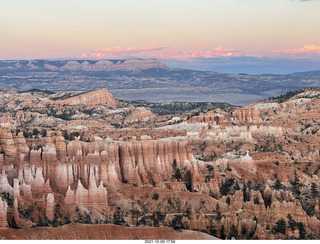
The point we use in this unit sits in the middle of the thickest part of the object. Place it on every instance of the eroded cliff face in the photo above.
(247, 114)
(77, 174)
(88, 182)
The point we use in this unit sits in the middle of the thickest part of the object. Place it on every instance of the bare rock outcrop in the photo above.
(100, 96)
(139, 114)
(7, 145)
(247, 114)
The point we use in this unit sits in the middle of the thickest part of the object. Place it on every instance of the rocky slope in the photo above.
(103, 232)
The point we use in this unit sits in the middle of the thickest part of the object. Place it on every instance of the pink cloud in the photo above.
(307, 49)
(120, 52)
(201, 53)
(160, 53)
(200, 47)
(128, 49)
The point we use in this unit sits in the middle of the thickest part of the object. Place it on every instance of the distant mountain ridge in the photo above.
(308, 73)
(81, 65)
(150, 80)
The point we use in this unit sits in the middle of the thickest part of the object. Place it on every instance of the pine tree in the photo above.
(233, 232)
(219, 217)
(43, 133)
(222, 234)
(302, 231)
(244, 191)
(228, 201)
(291, 222)
(280, 226)
(314, 189)
(277, 185)
(189, 180)
(296, 183)
(118, 217)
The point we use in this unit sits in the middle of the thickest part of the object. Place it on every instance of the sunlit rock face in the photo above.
(100, 96)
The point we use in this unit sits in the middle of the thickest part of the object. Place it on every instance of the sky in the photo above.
(232, 36)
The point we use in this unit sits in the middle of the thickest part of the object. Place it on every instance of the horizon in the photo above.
(173, 65)
(222, 36)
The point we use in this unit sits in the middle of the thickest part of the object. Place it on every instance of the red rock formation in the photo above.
(177, 186)
(74, 148)
(39, 185)
(7, 145)
(197, 222)
(15, 212)
(108, 173)
(70, 196)
(35, 157)
(4, 184)
(203, 132)
(49, 153)
(260, 233)
(151, 158)
(3, 213)
(81, 195)
(22, 146)
(100, 96)
(50, 206)
(16, 189)
(61, 147)
(1, 160)
(26, 190)
(139, 114)
(246, 114)
(98, 195)
(93, 196)
(93, 158)
(216, 117)
(248, 163)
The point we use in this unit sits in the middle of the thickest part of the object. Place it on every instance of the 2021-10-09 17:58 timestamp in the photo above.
(160, 241)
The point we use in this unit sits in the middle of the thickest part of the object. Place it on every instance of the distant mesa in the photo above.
(83, 65)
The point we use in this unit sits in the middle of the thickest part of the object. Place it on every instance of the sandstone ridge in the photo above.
(100, 96)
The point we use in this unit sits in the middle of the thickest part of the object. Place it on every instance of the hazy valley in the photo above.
(149, 80)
